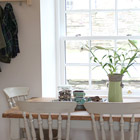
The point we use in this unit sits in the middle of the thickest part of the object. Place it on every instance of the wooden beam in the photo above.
(29, 2)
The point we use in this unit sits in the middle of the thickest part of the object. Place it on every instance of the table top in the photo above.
(77, 115)
(44, 99)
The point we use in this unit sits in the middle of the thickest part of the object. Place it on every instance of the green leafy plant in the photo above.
(114, 61)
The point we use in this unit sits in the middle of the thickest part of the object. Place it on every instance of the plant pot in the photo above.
(115, 88)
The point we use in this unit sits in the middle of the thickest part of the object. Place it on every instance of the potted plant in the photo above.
(115, 63)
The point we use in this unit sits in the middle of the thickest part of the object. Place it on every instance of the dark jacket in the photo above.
(10, 31)
(3, 55)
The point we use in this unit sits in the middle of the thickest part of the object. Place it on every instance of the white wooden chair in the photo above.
(15, 94)
(45, 107)
(112, 110)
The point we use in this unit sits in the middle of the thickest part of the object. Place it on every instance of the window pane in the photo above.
(99, 78)
(124, 44)
(77, 4)
(129, 23)
(133, 81)
(103, 23)
(74, 53)
(77, 75)
(128, 4)
(103, 4)
(103, 43)
(77, 24)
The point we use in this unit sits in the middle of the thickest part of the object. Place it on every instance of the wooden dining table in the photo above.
(79, 119)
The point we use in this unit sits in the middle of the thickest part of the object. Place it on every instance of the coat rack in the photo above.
(29, 2)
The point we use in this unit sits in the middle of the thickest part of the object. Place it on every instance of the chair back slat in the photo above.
(111, 128)
(25, 97)
(10, 103)
(59, 126)
(111, 109)
(13, 102)
(50, 127)
(94, 127)
(102, 127)
(68, 127)
(16, 91)
(48, 107)
(40, 123)
(132, 127)
(32, 127)
(18, 98)
(139, 131)
(122, 127)
(27, 127)
(15, 94)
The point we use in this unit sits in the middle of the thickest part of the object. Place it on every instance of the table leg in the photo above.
(14, 129)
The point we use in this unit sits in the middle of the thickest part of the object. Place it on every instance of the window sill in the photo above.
(104, 93)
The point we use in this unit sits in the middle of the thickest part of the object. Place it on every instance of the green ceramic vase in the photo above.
(115, 88)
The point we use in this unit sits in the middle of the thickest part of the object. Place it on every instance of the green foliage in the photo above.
(114, 61)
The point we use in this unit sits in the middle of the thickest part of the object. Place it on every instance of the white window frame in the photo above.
(61, 38)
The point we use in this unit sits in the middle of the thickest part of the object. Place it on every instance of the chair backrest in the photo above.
(45, 107)
(15, 94)
(112, 109)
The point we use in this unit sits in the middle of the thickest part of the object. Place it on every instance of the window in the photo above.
(107, 23)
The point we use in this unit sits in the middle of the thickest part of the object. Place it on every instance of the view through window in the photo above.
(106, 23)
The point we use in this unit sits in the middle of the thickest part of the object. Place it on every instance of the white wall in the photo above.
(48, 48)
(25, 69)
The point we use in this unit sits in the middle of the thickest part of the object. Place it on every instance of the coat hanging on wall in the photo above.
(9, 47)
(3, 58)
(10, 31)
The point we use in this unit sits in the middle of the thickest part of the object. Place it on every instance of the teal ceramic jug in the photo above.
(115, 88)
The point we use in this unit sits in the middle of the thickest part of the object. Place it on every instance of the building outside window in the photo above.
(106, 23)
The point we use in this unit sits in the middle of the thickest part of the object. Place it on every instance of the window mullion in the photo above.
(100, 37)
(90, 68)
(116, 18)
(63, 42)
(89, 42)
(90, 5)
(63, 18)
(90, 18)
(100, 10)
(63, 63)
(116, 22)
